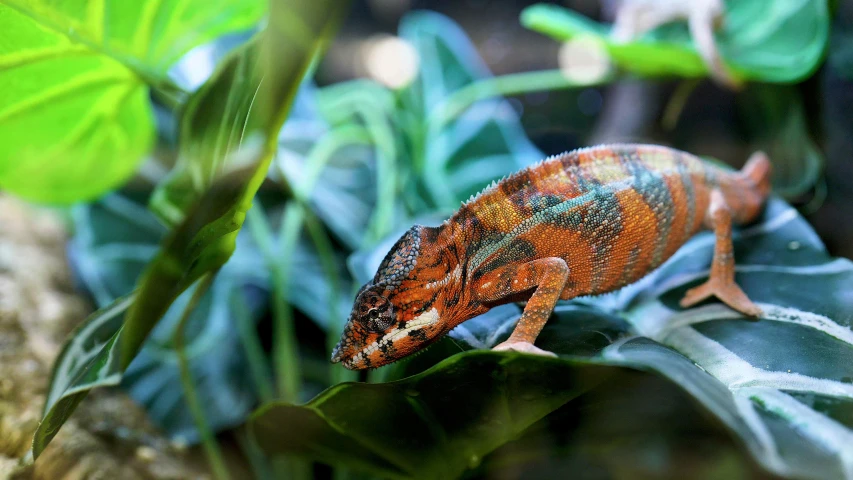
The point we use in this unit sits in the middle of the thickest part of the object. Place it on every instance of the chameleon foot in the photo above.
(728, 292)
(523, 347)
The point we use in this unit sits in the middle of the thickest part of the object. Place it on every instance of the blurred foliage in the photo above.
(775, 119)
(115, 238)
(199, 245)
(760, 40)
(355, 164)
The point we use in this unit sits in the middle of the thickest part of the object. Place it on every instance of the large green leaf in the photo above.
(783, 385)
(222, 115)
(206, 238)
(74, 83)
(761, 40)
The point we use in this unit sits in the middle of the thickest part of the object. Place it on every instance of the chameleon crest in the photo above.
(585, 222)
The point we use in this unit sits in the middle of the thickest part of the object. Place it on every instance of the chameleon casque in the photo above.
(584, 222)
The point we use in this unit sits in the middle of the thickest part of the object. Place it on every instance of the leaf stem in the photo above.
(211, 447)
(504, 85)
(325, 251)
(251, 344)
(285, 345)
(285, 355)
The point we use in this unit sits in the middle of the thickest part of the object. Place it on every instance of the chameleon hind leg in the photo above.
(548, 277)
(721, 282)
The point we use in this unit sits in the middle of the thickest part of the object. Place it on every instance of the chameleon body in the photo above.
(581, 223)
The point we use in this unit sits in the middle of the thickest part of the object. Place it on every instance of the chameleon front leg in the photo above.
(721, 282)
(547, 276)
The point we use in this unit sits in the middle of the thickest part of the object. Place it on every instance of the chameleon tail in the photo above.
(757, 171)
(750, 188)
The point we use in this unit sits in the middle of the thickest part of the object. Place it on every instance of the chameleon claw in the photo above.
(523, 347)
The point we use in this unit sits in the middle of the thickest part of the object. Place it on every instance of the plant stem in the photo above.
(321, 154)
(677, 102)
(512, 84)
(325, 251)
(211, 447)
(251, 344)
(168, 93)
(285, 345)
(285, 354)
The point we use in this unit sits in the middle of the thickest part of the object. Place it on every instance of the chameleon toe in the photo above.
(728, 293)
(523, 347)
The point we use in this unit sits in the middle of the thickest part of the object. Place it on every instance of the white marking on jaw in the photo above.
(422, 320)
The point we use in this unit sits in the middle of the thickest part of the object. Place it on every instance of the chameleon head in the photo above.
(376, 334)
(393, 316)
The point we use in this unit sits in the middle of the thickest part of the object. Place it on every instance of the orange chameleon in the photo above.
(582, 223)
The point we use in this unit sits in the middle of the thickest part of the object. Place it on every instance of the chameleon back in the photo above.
(612, 213)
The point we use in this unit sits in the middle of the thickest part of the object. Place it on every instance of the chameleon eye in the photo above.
(379, 321)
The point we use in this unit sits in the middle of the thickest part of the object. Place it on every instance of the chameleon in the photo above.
(584, 222)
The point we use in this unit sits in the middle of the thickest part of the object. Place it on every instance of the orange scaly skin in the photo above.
(585, 222)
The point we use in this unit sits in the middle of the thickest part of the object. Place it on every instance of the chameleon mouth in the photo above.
(362, 359)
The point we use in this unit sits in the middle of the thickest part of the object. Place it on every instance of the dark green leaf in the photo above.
(214, 124)
(85, 362)
(74, 85)
(433, 425)
(761, 40)
(255, 88)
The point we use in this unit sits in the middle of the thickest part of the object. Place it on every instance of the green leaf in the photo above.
(483, 143)
(84, 363)
(206, 238)
(74, 86)
(761, 40)
(782, 386)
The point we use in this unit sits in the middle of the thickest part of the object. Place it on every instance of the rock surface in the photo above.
(108, 436)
